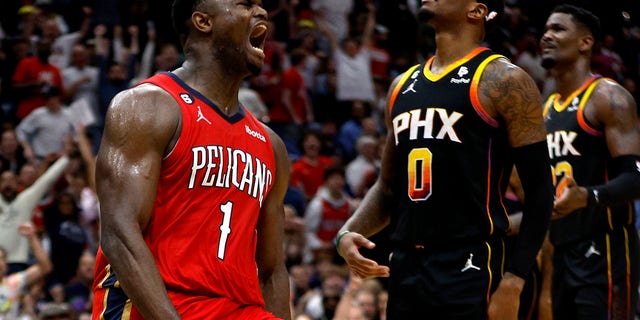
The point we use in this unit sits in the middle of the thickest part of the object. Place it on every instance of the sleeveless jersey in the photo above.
(452, 158)
(202, 233)
(579, 150)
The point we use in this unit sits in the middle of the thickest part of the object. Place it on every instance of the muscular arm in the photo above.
(612, 108)
(373, 213)
(509, 93)
(140, 124)
(273, 276)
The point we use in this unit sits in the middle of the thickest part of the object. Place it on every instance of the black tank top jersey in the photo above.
(452, 159)
(578, 149)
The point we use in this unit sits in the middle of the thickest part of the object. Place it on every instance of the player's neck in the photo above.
(570, 77)
(449, 50)
(213, 84)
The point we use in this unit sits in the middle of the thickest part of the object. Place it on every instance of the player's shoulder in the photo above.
(607, 86)
(144, 106)
(503, 69)
(501, 76)
(143, 98)
(608, 92)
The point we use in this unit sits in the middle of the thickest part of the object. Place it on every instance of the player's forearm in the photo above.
(532, 163)
(623, 188)
(275, 291)
(139, 277)
(373, 213)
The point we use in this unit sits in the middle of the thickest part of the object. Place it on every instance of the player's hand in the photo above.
(505, 301)
(364, 268)
(572, 197)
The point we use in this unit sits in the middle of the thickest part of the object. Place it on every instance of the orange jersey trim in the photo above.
(475, 99)
(396, 89)
(548, 104)
(561, 106)
(580, 114)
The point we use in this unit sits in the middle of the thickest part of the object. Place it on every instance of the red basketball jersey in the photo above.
(202, 232)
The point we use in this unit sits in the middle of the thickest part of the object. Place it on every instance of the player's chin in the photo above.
(255, 68)
(548, 62)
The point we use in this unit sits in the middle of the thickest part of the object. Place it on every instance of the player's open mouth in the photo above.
(258, 37)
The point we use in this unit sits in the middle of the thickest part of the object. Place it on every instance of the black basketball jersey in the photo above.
(579, 150)
(452, 159)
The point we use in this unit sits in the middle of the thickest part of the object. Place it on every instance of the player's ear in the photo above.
(202, 21)
(586, 43)
(478, 11)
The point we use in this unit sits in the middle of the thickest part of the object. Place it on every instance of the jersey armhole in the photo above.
(547, 106)
(475, 99)
(582, 120)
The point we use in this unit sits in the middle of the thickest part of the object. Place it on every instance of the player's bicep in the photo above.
(130, 157)
(509, 93)
(616, 111)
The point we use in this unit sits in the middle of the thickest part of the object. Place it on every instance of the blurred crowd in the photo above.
(323, 86)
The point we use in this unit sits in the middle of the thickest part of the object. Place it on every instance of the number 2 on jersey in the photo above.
(562, 169)
(419, 174)
(225, 230)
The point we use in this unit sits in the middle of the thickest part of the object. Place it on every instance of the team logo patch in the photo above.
(463, 71)
(201, 116)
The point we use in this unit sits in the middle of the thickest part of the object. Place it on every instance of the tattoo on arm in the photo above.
(514, 97)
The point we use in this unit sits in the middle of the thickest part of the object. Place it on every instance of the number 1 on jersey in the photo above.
(225, 230)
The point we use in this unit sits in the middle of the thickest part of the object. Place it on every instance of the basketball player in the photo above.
(457, 124)
(594, 145)
(191, 184)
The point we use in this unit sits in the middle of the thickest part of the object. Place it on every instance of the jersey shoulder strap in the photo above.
(398, 86)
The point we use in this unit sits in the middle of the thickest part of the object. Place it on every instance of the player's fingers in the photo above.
(368, 268)
(361, 241)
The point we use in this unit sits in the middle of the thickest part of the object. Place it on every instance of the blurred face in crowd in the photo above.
(311, 145)
(335, 184)
(28, 175)
(8, 185)
(50, 29)
(21, 49)
(168, 58)
(79, 55)
(9, 143)
(117, 74)
(66, 204)
(367, 302)
(351, 47)
(44, 50)
(85, 266)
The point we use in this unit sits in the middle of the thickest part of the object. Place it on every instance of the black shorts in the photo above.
(444, 284)
(597, 278)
